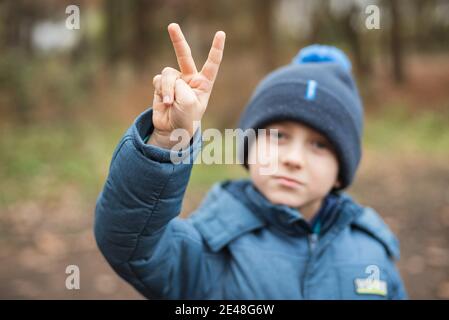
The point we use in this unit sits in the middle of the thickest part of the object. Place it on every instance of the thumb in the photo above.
(184, 95)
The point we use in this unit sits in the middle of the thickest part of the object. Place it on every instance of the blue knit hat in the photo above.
(316, 89)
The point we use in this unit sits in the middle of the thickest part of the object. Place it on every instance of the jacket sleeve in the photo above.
(136, 225)
(399, 291)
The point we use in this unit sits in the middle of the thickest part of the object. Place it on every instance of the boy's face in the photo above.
(307, 167)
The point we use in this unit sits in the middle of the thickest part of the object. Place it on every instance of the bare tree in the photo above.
(396, 42)
(263, 18)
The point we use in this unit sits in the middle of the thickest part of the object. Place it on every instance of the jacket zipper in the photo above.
(313, 241)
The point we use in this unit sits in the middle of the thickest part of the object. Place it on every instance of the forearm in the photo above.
(143, 192)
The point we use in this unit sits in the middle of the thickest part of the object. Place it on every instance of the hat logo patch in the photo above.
(311, 90)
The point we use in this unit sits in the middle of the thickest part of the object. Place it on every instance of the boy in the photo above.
(292, 234)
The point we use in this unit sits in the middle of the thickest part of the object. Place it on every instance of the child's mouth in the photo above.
(288, 182)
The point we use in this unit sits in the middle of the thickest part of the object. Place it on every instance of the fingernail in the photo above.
(166, 99)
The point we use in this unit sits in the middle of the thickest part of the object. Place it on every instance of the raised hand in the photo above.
(181, 96)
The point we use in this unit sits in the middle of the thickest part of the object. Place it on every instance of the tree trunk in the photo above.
(396, 43)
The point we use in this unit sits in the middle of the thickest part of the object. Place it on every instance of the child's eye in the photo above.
(277, 134)
(320, 144)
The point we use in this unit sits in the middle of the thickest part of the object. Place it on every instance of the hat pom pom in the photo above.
(322, 53)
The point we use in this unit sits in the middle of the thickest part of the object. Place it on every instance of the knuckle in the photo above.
(156, 79)
(169, 71)
(166, 70)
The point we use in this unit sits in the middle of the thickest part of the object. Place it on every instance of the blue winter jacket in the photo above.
(228, 249)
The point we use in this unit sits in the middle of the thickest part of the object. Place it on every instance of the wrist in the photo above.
(162, 140)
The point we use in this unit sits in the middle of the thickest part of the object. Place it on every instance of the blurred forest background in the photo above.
(67, 96)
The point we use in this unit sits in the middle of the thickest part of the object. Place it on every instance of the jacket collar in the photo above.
(371, 223)
(290, 220)
(281, 215)
(222, 218)
(232, 208)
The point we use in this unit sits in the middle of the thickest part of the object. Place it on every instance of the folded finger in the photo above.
(157, 84)
(168, 79)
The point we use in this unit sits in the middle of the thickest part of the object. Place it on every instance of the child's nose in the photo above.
(293, 157)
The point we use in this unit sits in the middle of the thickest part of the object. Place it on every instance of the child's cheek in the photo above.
(259, 151)
(325, 170)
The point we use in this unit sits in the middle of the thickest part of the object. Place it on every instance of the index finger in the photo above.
(182, 50)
